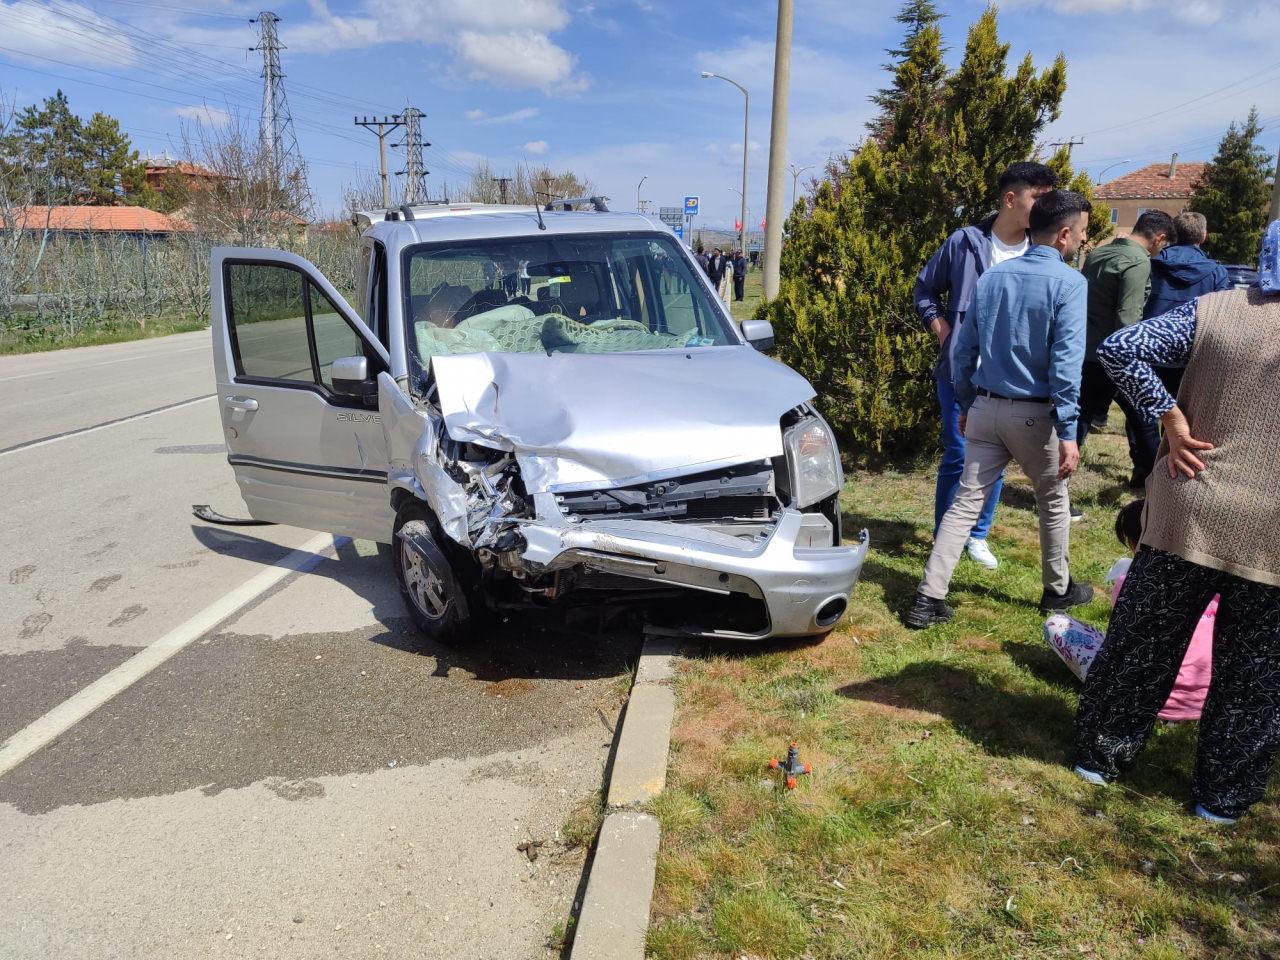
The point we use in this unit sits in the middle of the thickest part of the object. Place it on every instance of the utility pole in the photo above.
(1274, 213)
(502, 186)
(415, 175)
(382, 127)
(774, 216)
(275, 131)
(546, 188)
(1068, 143)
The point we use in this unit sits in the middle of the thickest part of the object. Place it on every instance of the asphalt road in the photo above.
(309, 777)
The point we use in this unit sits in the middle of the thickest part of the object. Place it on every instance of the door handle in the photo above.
(239, 406)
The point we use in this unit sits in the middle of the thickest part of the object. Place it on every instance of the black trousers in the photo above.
(1096, 394)
(739, 283)
(1151, 627)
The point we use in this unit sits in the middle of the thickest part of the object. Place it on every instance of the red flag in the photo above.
(762, 223)
(737, 224)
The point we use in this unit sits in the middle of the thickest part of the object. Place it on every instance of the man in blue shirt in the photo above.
(1017, 369)
(943, 294)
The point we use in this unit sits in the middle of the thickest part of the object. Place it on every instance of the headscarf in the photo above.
(1269, 261)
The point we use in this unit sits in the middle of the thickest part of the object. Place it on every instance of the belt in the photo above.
(983, 392)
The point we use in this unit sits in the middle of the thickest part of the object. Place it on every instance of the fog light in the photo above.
(831, 611)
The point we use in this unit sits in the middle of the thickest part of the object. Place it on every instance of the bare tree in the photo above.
(24, 217)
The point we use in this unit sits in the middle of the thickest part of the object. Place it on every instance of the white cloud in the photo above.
(204, 114)
(70, 32)
(1195, 12)
(515, 116)
(536, 147)
(512, 59)
(506, 43)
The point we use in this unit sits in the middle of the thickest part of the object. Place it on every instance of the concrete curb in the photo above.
(615, 909)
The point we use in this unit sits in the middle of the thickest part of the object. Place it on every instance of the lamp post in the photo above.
(746, 114)
(1118, 163)
(638, 186)
(795, 175)
(746, 212)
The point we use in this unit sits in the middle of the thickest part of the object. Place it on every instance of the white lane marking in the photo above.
(100, 363)
(19, 448)
(70, 712)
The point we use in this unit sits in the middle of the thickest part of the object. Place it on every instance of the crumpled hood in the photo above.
(583, 421)
(1183, 265)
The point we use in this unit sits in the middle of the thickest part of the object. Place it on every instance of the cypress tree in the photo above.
(1233, 194)
(844, 315)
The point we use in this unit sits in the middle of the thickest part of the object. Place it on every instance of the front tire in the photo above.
(440, 606)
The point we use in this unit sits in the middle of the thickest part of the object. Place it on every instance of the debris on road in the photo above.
(530, 848)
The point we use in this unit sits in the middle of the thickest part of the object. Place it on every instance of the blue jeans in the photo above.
(952, 465)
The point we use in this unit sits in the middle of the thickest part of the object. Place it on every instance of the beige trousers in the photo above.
(996, 432)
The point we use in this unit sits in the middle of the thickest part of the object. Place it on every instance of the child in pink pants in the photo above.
(1078, 643)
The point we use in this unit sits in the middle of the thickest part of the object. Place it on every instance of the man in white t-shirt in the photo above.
(943, 292)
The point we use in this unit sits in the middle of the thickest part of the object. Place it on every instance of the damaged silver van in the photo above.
(534, 407)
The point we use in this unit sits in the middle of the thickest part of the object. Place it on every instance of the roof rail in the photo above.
(597, 204)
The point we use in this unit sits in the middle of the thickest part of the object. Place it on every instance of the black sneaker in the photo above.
(1137, 481)
(926, 612)
(1076, 515)
(1077, 594)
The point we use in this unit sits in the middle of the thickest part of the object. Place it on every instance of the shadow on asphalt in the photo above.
(580, 643)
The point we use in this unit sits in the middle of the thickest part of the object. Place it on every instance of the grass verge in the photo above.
(16, 340)
(940, 820)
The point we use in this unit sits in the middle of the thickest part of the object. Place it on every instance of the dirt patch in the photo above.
(511, 687)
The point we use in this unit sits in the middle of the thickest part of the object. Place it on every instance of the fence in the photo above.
(76, 283)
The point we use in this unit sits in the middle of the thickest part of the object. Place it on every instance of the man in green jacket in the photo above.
(1119, 276)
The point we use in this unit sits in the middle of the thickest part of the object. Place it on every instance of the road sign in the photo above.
(691, 206)
(671, 215)
(678, 230)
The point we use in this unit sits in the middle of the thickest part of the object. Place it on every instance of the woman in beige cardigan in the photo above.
(1211, 526)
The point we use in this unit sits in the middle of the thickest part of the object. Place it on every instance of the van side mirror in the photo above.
(350, 376)
(758, 333)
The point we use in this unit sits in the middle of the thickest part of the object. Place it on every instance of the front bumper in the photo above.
(801, 586)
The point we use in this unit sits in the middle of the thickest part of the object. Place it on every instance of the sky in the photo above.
(611, 88)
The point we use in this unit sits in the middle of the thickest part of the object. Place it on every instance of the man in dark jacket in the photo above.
(943, 293)
(1181, 273)
(739, 275)
(1119, 276)
(715, 267)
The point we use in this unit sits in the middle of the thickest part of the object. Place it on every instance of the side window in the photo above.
(285, 328)
(268, 313)
(378, 296)
(334, 338)
(362, 282)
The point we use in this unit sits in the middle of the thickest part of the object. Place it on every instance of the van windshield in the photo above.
(583, 293)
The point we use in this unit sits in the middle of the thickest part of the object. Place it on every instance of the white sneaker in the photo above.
(981, 554)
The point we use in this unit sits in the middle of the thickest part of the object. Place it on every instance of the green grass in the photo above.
(17, 340)
(752, 292)
(940, 820)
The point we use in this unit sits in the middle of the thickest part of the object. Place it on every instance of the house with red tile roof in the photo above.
(1157, 186)
(83, 220)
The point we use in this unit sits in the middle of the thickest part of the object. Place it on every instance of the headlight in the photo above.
(812, 462)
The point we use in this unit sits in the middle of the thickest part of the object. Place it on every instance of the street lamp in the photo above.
(795, 175)
(1118, 163)
(746, 212)
(638, 186)
(746, 113)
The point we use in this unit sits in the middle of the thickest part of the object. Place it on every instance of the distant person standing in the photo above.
(1119, 276)
(739, 276)
(726, 277)
(1180, 274)
(1017, 383)
(715, 267)
(943, 294)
